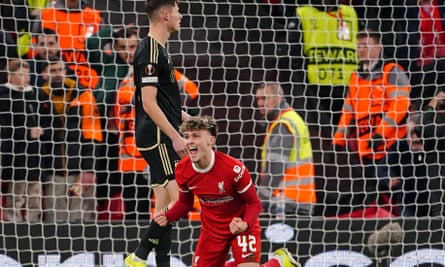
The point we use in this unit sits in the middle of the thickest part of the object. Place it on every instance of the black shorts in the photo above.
(162, 160)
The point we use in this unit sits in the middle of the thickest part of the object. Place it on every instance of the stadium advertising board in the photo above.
(316, 242)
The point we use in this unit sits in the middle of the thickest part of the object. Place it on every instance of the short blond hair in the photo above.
(200, 123)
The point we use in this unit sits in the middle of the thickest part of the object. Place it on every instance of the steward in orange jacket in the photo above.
(74, 24)
(373, 120)
(375, 112)
(189, 93)
(130, 158)
(377, 104)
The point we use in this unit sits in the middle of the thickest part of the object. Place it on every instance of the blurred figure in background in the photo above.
(374, 116)
(287, 183)
(429, 65)
(110, 52)
(46, 46)
(323, 50)
(133, 168)
(73, 131)
(74, 22)
(20, 148)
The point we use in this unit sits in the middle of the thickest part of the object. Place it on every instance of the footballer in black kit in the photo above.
(153, 67)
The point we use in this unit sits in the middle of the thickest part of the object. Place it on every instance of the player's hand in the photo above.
(237, 225)
(180, 147)
(160, 218)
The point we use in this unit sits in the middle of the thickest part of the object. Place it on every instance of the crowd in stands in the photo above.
(365, 89)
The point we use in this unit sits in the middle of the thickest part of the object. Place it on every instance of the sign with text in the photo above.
(315, 242)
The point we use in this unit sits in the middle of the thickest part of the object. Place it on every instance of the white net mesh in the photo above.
(229, 48)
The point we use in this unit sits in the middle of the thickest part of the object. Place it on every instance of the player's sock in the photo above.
(150, 239)
(163, 249)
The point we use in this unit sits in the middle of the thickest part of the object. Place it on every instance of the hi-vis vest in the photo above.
(298, 180)
(187, 86)
(73, 28)
(330, 44)
(373, 106)
(90, 122)
(130, 159)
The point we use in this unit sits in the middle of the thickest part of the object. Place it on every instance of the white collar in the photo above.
(15, 88)
(209, 167)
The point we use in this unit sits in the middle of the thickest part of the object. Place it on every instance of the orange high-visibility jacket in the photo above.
(90, 118)
(189, 87)
(73, 28)
(130, 159)
(373, 107)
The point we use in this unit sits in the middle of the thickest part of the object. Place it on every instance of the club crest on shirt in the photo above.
(221, 187)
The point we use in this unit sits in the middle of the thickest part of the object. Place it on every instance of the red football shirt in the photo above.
(225, 190)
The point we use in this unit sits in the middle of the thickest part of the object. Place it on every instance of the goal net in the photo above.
(228, 49)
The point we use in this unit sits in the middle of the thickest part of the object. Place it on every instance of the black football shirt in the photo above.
(153, 67)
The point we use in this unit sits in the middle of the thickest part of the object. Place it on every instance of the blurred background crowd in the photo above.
(366, 78)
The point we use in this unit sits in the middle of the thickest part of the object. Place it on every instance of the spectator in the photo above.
(373, 121)
(74, 22)
(20, 151)
(46, 46)
(287, 168)
(131, 164)
(431, 130)
(409, 179)
(19, 16)
(432, 36)
(430, 52)
(72, 132)
(110, 52)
